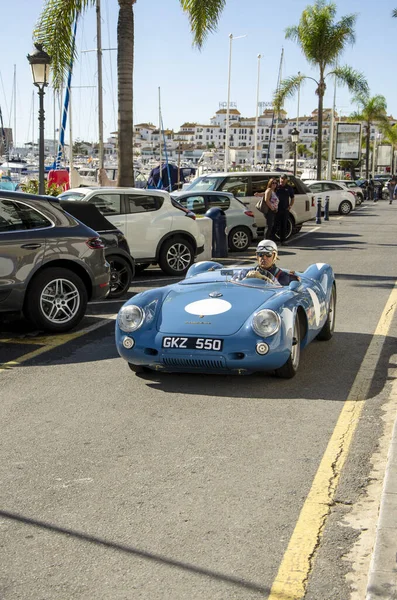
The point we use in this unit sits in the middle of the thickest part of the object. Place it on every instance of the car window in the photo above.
(236, 185)
(138, 203)
(259, 183)
(222, 202)
(204, 184)
(194, 203)
(16, 216)
(107, 204)
(72, 196)
(316, 187)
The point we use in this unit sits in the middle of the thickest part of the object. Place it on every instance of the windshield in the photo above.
(246, 277)
(205, 184)
(72, 196)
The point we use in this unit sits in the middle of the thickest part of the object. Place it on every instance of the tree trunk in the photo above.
(125, 68)
(320, 91)
(368, 133)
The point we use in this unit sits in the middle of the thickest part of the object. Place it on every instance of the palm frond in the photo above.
(287, 88)
(394, 13)
(54, 32)
(203, 17)
(354, 80)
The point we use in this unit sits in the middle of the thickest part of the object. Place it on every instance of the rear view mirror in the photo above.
(294, 285)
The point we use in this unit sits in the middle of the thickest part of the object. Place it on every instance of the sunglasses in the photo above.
(274, 182)
(268, 253)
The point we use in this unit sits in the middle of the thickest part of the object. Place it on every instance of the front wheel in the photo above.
(176, 256)
(327, 331)
(239, 239)
(290, 368)
(56, 300)
(345, 207)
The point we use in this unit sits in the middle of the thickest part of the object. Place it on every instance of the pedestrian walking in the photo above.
(391, 186)
(268, 206)
(286, 199)
(371, 189)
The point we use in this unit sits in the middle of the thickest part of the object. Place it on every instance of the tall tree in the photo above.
(54, 32)
(371, 110)
(322, 41)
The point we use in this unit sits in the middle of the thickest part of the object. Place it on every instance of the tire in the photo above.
(120, 276)
(345, 207)
(140, 268)
(138, 368)
(239, 239)
(290, 368)
(46, 293)
(327, 331)
(290, 227)
(176, 256)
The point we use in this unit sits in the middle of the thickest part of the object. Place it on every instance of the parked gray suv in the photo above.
(50, 263)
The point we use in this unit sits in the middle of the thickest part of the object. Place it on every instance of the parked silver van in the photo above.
(244, 184)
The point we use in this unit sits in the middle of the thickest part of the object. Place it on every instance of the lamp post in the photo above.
(40, 64)
(295, 140)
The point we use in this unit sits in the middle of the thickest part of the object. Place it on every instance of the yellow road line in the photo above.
(291, 580)
(52, 342)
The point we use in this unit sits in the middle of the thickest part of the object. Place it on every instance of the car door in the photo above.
(223, 202)
(195, 203)
(148, 220)
(22, 249)
(112, 208)
(335, 195)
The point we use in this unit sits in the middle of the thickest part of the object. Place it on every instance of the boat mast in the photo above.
(278, 87)
(100, 98)
(15, 106)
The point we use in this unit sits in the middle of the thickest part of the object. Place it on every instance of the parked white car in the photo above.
(240, 220)
(341, 199)
(244, 184)
(157, 230)
(353, 187)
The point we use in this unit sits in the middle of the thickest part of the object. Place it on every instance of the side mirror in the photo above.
(294, 285)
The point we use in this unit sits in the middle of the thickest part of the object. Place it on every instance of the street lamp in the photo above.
(295, 140)
(40, 64)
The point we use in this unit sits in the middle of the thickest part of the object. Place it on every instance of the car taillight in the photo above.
(95, 243)
(354, 193)
(313, 201)
(249, 213)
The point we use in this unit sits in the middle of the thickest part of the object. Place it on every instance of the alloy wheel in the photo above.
(240, 239)
(179, 257)
(60, 301)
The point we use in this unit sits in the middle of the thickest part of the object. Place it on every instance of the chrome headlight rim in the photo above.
(137, 325)
(276, 327)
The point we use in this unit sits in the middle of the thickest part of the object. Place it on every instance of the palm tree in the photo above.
(371, 110)
(54, 32)
(394, 13)
(322, 41)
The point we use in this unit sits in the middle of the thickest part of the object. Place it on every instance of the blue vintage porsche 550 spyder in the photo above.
(219, 320)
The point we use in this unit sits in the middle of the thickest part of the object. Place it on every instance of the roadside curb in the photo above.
(382, 577)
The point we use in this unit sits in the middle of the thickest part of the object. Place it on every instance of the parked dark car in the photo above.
(51, 264)
(117, 252)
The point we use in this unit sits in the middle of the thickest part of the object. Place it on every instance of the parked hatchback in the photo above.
(157, 231)
(244, 184)
(50, 263)
(240, 221)
(341, 199)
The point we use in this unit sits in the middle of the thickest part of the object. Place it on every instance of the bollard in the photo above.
(318, 213)
(326, 209)
(219, 237)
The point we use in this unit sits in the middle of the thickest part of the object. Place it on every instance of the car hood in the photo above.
(210, 309)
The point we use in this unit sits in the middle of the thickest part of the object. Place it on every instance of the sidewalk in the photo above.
(382, 577)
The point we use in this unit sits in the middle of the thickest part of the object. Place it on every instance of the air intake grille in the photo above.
(194, 363)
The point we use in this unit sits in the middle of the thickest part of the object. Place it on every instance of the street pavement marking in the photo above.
(296, 565)
(48, 343)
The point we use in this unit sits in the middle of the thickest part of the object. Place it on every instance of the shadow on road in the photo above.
(141, 554)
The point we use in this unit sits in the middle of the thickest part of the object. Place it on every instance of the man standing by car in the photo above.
(285, 194)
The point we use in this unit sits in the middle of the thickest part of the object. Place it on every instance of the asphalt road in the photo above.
(117, 486)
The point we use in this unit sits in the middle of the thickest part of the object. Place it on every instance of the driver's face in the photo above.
(265, 261)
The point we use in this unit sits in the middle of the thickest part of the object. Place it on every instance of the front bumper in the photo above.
(238, 355)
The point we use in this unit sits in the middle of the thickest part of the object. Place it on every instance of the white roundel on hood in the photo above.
(208, 307)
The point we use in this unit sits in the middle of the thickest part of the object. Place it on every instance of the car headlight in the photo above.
(266, 322)
(130, 318)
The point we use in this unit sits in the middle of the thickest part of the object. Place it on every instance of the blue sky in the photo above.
(192, 82)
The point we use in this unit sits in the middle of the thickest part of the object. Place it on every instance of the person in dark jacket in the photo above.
(286, 199)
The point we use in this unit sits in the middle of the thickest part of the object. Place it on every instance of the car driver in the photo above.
(266, 255)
